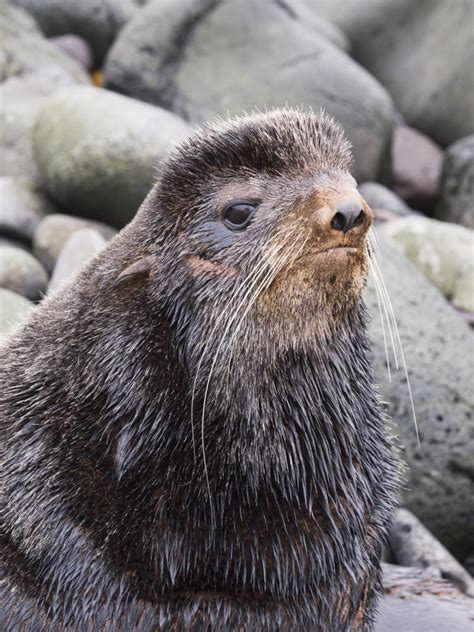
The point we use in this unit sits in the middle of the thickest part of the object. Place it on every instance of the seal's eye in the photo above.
(237, 216)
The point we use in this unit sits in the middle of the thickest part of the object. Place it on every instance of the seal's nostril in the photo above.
(338, 221)
(347, 216)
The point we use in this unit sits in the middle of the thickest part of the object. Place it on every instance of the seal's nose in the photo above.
(347, 216)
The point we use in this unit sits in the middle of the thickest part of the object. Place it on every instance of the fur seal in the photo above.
(192, 438)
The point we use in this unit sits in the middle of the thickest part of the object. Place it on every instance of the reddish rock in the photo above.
(76, 47)
(416, 168)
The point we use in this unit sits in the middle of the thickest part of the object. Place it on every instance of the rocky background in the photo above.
(94, 94)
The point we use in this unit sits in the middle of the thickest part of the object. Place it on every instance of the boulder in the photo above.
(20, 272)
(22, 207)
(55, 230)
(77, 251)
(31, 70)
(439, 352)
(13, 309)
(457, 184)
(267, 56)
(385, 203)
(418, 601)
(96, 151)
(443, 252)
(421, 52)
(413, 545)
(415, 168)
(97, 21)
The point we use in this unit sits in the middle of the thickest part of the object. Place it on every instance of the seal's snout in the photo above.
(347, 216)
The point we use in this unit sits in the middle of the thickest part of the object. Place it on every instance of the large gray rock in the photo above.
(78, 250)
(20, 272)
(96, 151)
(421, 51)
(22, 207)
(31, 69)
(13, 309)
(443, 252)
(97, 21)
(457, 184)
(439, 353)
(55, 230)
(266, 57)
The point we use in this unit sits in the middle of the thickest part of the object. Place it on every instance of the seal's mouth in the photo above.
(348, 249)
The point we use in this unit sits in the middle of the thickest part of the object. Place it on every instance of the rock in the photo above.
(303, 10)
(96, 151)
(77, 251)
(439, 353)
(31, 70)
(75, 46)
(443, 252)
(13, 243)
(457, 184)
(399, 43)
(22, 207)
(416, 168)
(97, 21)
(20, 272)
(413, 545)
(55, 230)
(13, 310)
(25, 50)
(384, 203)
(416, 601)
(268, 56)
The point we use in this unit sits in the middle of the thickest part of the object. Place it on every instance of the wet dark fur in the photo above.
(107, 519)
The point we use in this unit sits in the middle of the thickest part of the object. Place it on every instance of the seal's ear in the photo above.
(139, 269)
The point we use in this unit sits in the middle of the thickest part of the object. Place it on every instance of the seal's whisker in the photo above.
(271, 269)
(266, 282)
(216, 355)
(285, 260)
(400, 347)
(377, 293)
(383, 300)
(235, 297)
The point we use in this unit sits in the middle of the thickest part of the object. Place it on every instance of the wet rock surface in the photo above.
(22, 207)
(266, 58)
(97, 150)
(54, 231)
(417, 601)
(439, 352)
(20, 272)
(31, 70)
(404, 44)
(76, 252)
(443, 252)
(13, 310)
(413, 545)
(457, 184)
(98, 21)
